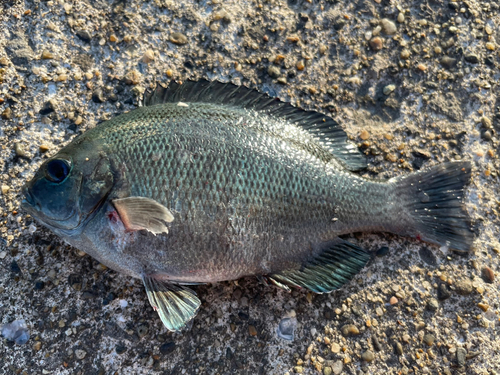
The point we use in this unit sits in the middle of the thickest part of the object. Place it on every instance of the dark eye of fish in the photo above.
(57, 170)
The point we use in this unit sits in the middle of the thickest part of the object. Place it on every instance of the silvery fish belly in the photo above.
(210, 181)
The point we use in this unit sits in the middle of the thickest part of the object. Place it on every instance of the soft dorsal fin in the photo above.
(326, 130)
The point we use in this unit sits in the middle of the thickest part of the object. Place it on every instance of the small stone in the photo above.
(48, 107)
(44, 148)
(383, 251)
(39, 285)
(487, 124)
(448, 62)
(488, 275)
(349, 330)
(133, 77)
(461, 356)
(142, 330)
(167, 348)
(405, 54)
(387, 90)
(376, 43)
(388, 26)
(121, 348)
(300, 65)
(483, 306)
(401, 17)
(337, 367)
(335, 348)
(282, 80)
(80, 354)
(37, 346)
(84, 35)
(4, 61)
(464, 287)
(78, 120)
(471, 58)
(398, 348)
(46, 55)
(490, 46)
(113, 38)
(429, 339)
(327, 370)
(274, 71)
(443, 292)
(298, 369)
(364, 135)
(393, 300)
(98, 96)
(7, 113)
(252, 330)
(169, 73)
(178, 38)
(432, 304)
(368, 356)
(149, 56)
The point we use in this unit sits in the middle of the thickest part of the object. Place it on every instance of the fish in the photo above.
(208, 181)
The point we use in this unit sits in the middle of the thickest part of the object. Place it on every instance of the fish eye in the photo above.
(57, 170)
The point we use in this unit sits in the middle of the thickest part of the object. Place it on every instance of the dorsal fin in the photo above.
(326, 130)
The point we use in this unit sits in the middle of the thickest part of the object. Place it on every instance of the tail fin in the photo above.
(434, 199)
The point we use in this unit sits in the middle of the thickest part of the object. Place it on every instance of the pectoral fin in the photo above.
(139, 213)
(176, 305)
(334, 266)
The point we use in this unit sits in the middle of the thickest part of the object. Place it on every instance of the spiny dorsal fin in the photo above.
(176, 305)
(335, 266)
(326, 130)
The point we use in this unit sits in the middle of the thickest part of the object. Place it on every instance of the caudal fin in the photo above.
(434, 199)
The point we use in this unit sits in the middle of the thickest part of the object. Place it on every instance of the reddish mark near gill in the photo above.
(113, 217)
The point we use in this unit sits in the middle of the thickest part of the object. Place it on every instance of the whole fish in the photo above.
(208, 181)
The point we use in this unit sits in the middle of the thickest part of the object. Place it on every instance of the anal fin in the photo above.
(333, 267)
(139, 213)
(176, 305)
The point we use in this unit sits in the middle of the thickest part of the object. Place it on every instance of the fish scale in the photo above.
(210, 182)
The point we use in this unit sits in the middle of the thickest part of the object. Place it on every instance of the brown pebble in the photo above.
(483, 306)
(148, 57)
(488, 275)
(349, 330)
(300, 65)
(169, 73)
(37, 345)
(46, 55)
(364, 135)
(376, 43)
(252, 331)
(393, 300)
(44, 148)
(113, 38)
(178, 38)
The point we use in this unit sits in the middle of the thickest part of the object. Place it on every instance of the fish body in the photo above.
(210, 182)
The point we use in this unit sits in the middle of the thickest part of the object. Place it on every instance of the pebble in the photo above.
(298, 369)
(98, 96)
(142, 330)
(337, 367)
(44, 148)
(461, 356)
(46, 55)
(80, 354)
(383, 251)
(398, 348)
(432, 304)
(39, 285)
(429, 339)
(368, 356)
(167, 348)
(389, 89)
(443, 292)
(37, 346)
(7, 113)
(121, 348)
(113, 38)
(448, 62)
(471, 58)
(133, 77)
(335, 348)
(364, 135)
(178, 38)
(464, 287)
(349, 330)
(405, 54)
(487, 272)
(376, 43)
(300, 65)
(401, 17)
(149, 56)
(252, 331)
(327, 370)
(388, 26)
(48, 107)
(483, 306)
(84, 35)
(393, 300)
(274, 71)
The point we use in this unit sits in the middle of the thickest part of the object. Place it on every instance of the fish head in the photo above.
(68, 189)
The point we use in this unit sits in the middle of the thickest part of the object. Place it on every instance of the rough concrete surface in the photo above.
(414, 83)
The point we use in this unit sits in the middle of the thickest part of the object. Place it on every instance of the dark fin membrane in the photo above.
(139, 213)
(175, 304)
(335, 266)
(435, 203)
(326, 130)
